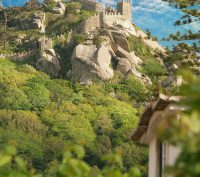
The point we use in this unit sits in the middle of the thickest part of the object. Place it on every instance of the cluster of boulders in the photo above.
(126, 28)
(169, 81)
(188, 59)
(91, 61)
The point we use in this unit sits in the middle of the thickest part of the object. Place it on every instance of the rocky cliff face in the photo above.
(91, 61)
(37, 21)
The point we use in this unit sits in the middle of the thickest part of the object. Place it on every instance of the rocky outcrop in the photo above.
(120, 39)
(35, 22)
(175, 81)
(45, 43)
(154, 45)
(48, 62)
(126, 28)
(124, 66)
(90, 62)
(39, 21)
(59, 9)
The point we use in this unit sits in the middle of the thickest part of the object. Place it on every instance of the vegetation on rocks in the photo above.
(151, 65)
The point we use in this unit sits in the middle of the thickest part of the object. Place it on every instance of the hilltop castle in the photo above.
(124, 8)
(106, 16)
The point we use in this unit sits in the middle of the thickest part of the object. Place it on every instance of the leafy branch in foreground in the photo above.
(72, 165)
(185, 132)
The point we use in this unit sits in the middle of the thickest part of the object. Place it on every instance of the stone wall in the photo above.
(105, 16)
(18, 56)
(90, 5)
(110, 18)
(97, 21)
(89, 24)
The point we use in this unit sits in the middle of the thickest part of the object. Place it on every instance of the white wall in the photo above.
(169, 156)
(153, 158)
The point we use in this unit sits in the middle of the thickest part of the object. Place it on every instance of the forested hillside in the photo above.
(42, 116)
(44, 112)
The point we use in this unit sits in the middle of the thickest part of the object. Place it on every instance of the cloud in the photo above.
(159, 18)
(152, 6)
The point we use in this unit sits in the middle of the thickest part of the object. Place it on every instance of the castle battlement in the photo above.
(89, 1)
(124, 7)
(104, 17)
(112, 13)
(126, 1)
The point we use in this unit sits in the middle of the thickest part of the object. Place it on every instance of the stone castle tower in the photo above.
(124, 7)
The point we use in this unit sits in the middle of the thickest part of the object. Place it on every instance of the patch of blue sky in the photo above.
(159, 18)
(10, 3)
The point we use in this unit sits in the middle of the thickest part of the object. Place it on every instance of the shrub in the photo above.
(38, 94)
(79, 38)
(13, 98)
(135, 88)
(151, 66)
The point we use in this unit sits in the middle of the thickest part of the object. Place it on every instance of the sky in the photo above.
(155, 15)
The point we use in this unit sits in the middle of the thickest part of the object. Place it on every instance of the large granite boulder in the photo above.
(48, 62)
(90, 62)
(38, 21)
(59, 9)
(124, 66)
(130, 56)
(120, 39)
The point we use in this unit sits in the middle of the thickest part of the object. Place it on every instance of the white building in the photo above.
(161, 153)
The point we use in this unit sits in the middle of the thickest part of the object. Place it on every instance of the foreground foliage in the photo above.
(72, 165)
(185, 132)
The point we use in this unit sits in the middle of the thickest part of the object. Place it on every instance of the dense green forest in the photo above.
(46, 115)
